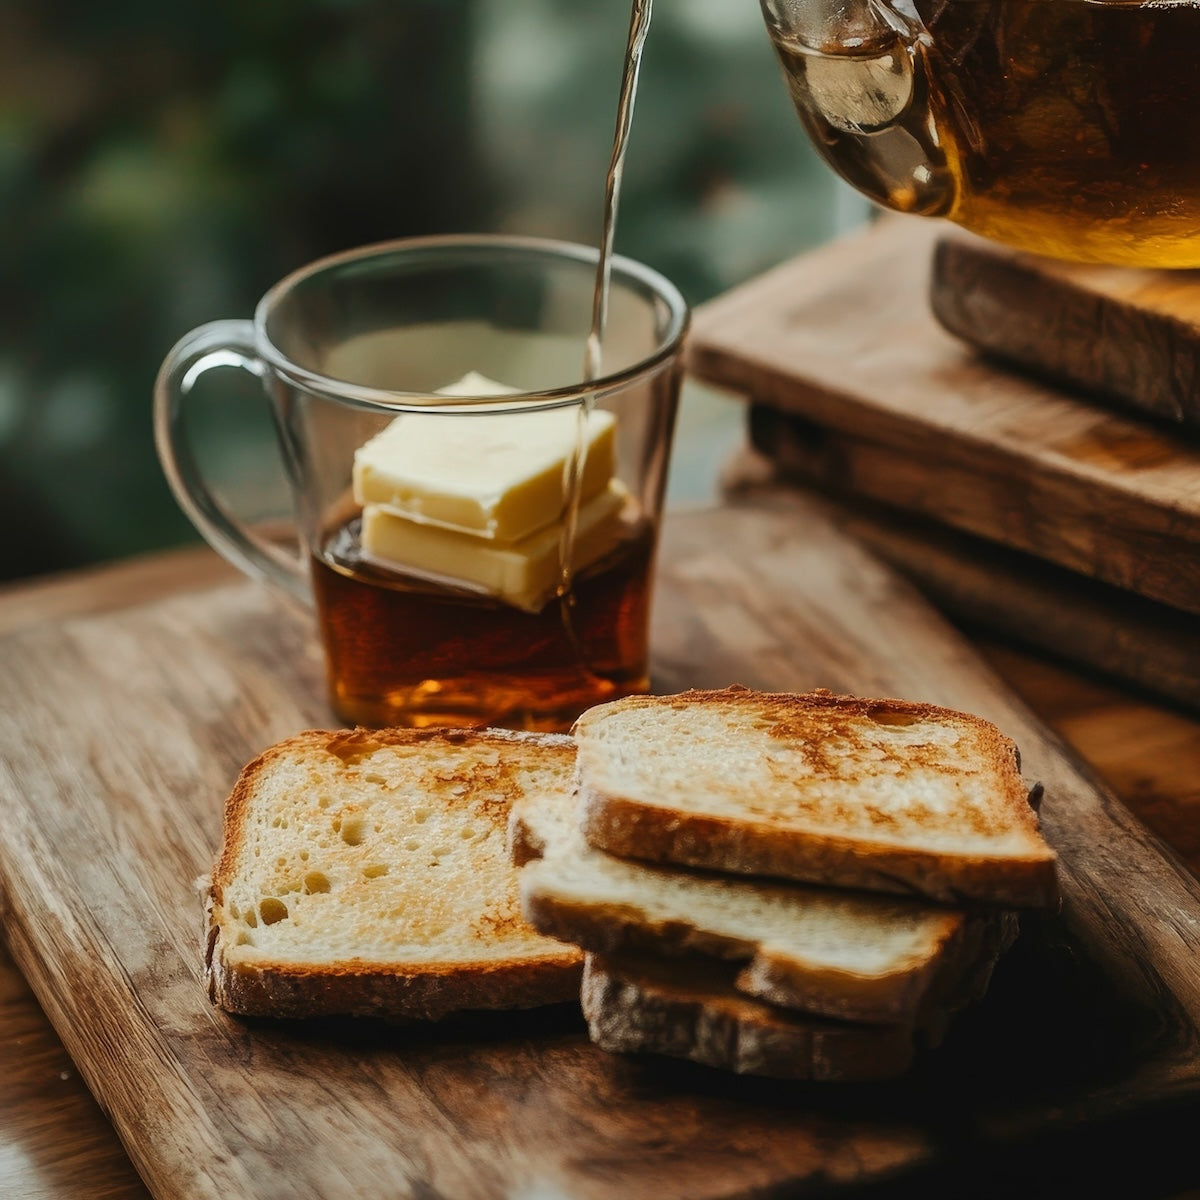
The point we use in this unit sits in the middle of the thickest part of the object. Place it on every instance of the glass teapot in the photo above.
(1065, 127)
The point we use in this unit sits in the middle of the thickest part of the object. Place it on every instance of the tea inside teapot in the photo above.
(1066, 127)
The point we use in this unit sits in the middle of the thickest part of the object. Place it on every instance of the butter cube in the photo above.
(475, 384)
(524, 573)
(497, 476)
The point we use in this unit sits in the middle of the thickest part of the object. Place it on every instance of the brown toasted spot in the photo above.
(353, 746)
(891, 716)
(489, 788)
(502, 922)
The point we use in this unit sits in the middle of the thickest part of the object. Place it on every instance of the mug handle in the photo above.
(217, 344)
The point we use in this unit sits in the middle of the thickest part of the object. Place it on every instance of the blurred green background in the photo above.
(162, 165)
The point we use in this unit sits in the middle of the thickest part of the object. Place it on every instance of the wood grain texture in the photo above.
(111, 587)
(844, 338)
(54, 1140)
(129, 730)
(1010, 592)
(1130, 336)
(1159, 780)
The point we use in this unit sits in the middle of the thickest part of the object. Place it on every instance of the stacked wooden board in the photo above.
(1045, 495)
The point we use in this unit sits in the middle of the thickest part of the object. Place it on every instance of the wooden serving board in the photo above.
(844, 337)
(122, 733)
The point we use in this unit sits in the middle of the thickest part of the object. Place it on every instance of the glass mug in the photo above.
(477, 526)
(1064, 127)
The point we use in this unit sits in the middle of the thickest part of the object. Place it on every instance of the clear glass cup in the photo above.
(490, 559)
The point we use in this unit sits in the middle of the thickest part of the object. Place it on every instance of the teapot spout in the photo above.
(858, 72)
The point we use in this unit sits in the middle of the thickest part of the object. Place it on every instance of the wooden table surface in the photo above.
(56, 1143)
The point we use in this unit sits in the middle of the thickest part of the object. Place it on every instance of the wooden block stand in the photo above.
(1034, 509)
(1130, 337)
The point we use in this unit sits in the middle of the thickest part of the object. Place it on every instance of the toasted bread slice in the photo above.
(886, 795)
(366, 873)
(826, 951)
(689, 1008)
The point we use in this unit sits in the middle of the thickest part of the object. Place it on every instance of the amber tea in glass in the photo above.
(405, 650)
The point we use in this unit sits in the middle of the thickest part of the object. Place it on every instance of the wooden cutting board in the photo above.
(908, 415)
(120, 735)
